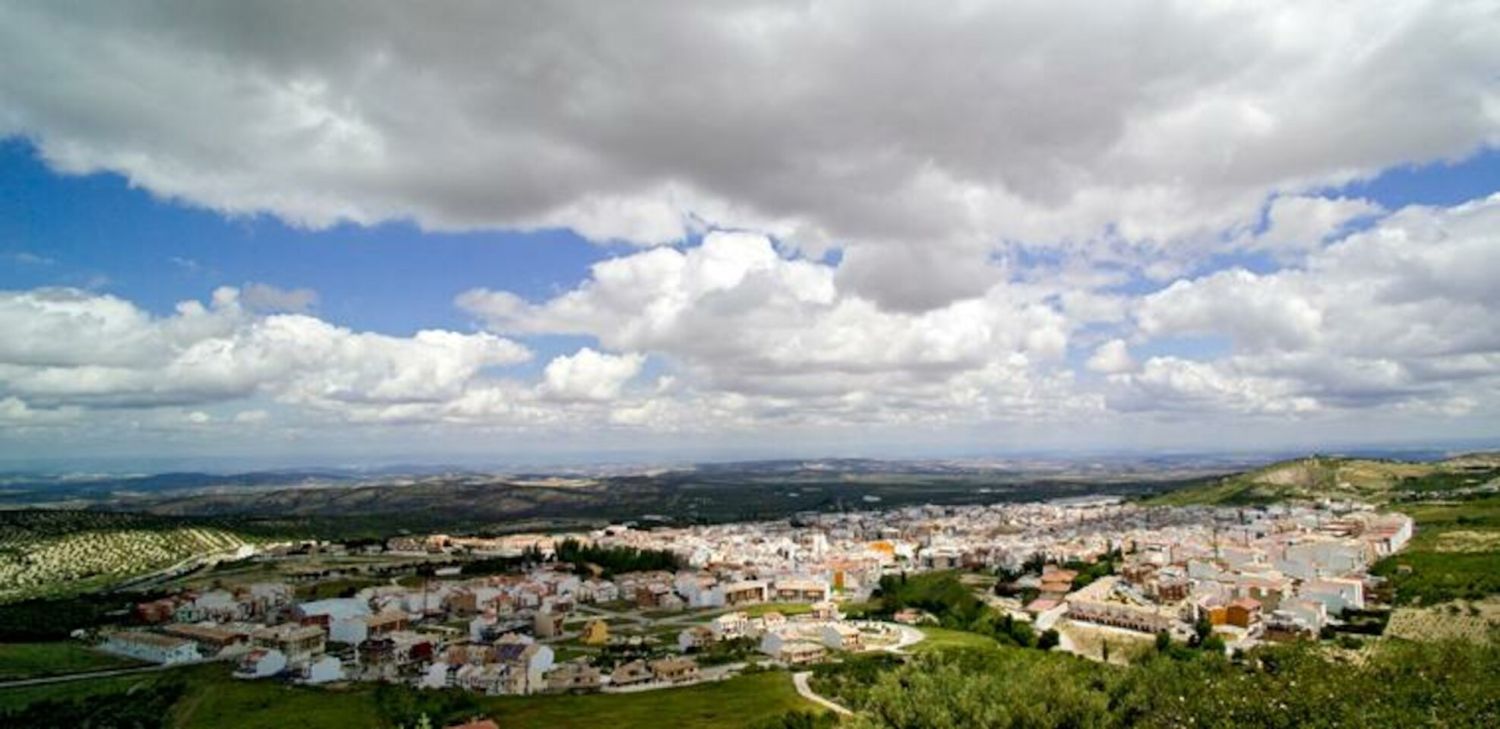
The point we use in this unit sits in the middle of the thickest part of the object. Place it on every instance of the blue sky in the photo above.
(1214, 252)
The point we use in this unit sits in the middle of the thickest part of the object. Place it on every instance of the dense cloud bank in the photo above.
(847, 213)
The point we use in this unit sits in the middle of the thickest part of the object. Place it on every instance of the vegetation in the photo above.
(1455, 554)
(57, 553)
(1363, 479)
(1398, 684)
(138, 704)
(954, 604)
(206, 696)
(33, 660)
(50, 619)
(615, 560)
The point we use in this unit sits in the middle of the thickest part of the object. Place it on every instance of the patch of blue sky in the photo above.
(1443, 183)
(97, 231)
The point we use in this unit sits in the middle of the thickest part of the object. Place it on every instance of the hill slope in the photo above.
(1333, 477)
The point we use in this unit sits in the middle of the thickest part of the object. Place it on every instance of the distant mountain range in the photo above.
(439, 497)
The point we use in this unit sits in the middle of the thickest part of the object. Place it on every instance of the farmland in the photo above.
(30, 660)
(205, 696)
(1453, 555)
(51, 553)
(1361, 479)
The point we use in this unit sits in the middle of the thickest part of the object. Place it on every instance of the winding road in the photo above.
(799, 679)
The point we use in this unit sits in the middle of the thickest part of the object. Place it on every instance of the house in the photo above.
(772, 621)
(574, 677)
(838, 636)
(437, 675)
(528, 663)
(801, 590)
(489, 678)
(633, 673)
(913, 616)
(298, 642)
(730, 625)
(677, 669)
(1339, 594)
(595, 632)
(745, 592)
(475, 723)
(261, 663)
(156, 611)
(324, 613)
(791, 651)
(324, 670)
(826, 610)
(1243, 612)
(694, 637)
(151, 647)
(211, 639)
(547, 625)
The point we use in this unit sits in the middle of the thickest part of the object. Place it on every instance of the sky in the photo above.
(339, 233)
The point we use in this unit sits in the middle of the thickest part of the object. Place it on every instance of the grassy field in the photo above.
(1453, 556)
(213, 699)
(1307, 479)
(734, 703)
(30, 660)
(44, 553)
(941, 639)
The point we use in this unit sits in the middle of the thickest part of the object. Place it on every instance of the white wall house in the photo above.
(152, 647)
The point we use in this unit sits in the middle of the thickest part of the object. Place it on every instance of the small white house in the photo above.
(437, 676)
(151, 647)
(261, 663)
(324, 670)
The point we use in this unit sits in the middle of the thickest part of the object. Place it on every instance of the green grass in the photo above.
(1427, 572)
(214, 699)
(737, 702)
(785, 608)
(32, 660)
(942, 639)
(336, 588)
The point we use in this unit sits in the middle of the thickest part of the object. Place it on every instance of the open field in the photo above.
(1362, 479)
(32, 660)
(1468, 621)
(1091, 641)
(942, 639)
(1453, 556)
(43, 553)
(210, 698)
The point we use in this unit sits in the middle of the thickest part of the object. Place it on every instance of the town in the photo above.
(786, 593)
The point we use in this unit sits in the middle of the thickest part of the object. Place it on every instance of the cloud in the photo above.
(1401, 313)
(27, 258)
(1301, 223)
(763, 335)
(1112, 358)
(589, 375)
(917, 139)
(65, 347)
(268, 298)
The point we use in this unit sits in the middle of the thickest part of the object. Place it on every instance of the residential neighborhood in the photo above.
(787, 592)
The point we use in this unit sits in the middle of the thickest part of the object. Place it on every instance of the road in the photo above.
(64, 678)
(799, 679)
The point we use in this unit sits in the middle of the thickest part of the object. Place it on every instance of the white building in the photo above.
(151, 647)
(324, 670)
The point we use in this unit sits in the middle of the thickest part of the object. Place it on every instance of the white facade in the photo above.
(152, 648)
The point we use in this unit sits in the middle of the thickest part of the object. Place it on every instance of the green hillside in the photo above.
(1332, 477)
(48, 553)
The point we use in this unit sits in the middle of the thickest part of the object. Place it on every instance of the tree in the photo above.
(1163, 642)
